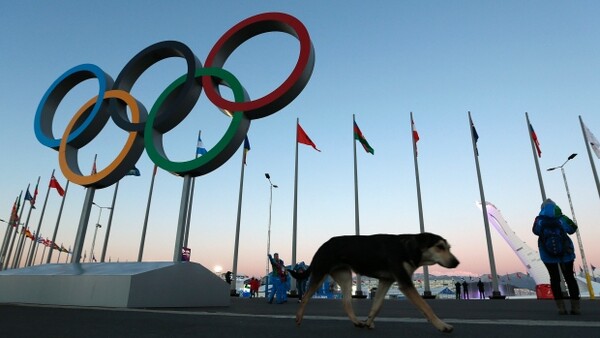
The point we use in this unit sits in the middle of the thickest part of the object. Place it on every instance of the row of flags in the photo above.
(301, 138)
(46, 242)
(591, 140)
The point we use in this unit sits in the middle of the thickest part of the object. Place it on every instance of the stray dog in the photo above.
(389, 258)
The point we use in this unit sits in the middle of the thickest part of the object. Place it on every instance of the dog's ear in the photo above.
(427, 240)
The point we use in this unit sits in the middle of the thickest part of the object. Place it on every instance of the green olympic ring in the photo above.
(221, 152)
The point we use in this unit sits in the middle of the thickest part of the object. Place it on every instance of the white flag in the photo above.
(591, 139)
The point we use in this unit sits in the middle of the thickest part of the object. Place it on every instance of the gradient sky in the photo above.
(438, 59)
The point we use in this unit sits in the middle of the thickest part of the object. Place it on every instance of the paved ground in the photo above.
(324, 318)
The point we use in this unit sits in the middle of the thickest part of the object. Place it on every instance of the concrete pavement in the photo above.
(324, 318)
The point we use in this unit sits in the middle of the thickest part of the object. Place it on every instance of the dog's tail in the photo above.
(300, 275)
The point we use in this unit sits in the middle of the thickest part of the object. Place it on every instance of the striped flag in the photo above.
(246, 147)
(535, 140)
(30, 198)
(358, 135)
(200, 150)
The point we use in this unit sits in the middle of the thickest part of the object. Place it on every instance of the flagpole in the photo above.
(29, 255)
(9, 231)
(62, 204)
(110, 217)
(495, 291)
(83, 224)
(188, 220)
(181, 223)
(8, 228)
(233, 290)
(17, 249)
(21, 245)
(33, 247)
(143, 240)
(36, 247)
(427, 290)
(12, 243)
(587, 147)
(9, 248)
(6, 233)
(43, 253)
(535, 157)
(358, 292)
(295, 214)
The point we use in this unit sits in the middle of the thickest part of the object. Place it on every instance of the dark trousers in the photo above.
(567, 270)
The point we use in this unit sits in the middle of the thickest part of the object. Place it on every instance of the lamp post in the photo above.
(583, 260)
(269, 231)
(96, 231)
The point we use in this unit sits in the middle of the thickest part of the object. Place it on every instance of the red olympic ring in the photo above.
(283, 94)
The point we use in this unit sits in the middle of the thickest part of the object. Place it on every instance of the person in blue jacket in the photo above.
(557, 252)
(279, 279)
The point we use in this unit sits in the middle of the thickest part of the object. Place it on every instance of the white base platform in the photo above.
(128, 285)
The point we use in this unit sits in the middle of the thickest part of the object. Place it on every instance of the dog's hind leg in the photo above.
(344, 278)
(413, 295)
(382, 289)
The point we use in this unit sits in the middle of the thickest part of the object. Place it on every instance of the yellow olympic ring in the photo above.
(131, 152)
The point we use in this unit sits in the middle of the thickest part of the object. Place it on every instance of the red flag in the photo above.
(301, 137)
(54, 184)
(415, 134)
(535, 140)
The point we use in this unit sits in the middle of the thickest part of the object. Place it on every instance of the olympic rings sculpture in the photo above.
(146, 130)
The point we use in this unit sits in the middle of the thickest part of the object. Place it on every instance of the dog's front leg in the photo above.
(382, 289)
(411, 293)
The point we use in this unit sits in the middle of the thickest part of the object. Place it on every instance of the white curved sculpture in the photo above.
(529, 257)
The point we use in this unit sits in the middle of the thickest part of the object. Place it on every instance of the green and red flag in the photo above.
(358, 135)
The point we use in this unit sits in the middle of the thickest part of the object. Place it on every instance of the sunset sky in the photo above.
(380, 61)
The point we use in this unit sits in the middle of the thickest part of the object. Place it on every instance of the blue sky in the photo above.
(437, 59)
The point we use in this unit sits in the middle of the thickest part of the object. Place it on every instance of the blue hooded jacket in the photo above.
(550, 209)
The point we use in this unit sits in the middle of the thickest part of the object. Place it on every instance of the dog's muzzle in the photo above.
(452, 263)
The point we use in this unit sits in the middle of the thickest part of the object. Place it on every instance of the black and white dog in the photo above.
(389, 258)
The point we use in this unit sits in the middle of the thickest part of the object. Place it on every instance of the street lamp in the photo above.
(96, 231)
(583, 260)
(269, 231)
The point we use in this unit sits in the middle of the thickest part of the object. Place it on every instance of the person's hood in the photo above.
(550, 209)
